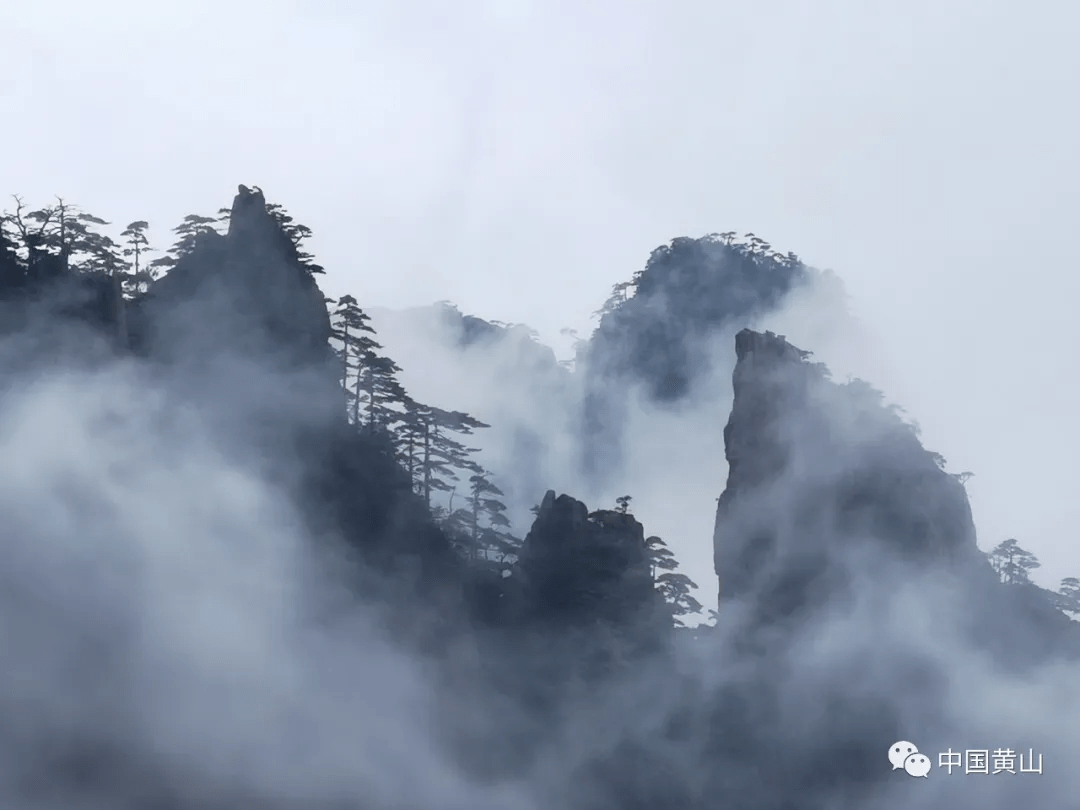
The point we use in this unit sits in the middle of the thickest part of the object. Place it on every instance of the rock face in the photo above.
(245, 292)
(661, 338)
(244, 331)
(688, 290)
(852, 592)
(826, 485)
(577, 568)
(815, 466)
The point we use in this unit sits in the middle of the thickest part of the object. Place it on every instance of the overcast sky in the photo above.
(520, 157)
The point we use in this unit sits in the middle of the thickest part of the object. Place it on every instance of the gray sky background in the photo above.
(521, 157)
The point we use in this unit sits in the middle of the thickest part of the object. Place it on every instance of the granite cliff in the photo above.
(854, 603)
(826, 485)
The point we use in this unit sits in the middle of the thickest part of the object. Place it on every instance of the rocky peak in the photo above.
(579, 567)
(817, 469)
(244, 291)
(765, 347)
(657, 331)
(253, 231)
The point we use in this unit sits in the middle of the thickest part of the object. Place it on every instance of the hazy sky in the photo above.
(520, 157)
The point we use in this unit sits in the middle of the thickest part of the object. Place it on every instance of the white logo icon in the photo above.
(899, 752)
(917, 765)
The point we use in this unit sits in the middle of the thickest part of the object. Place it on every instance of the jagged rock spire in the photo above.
(816, 468)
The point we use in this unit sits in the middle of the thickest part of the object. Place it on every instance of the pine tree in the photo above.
(61, 240)
(381, 390)
(136, 246)
(103, 256)
(661, 557)
(410, 439)
(64, 232)
(1013, 563)
(368, 378)
(188, 232)
(674, 587)
(619, 296)
(484, 523)
(297, 234)
(56, 231)
(676, 591)
(1069, 593)
(30, 237)
(352, 329)
(12, 269)
(436, 458)
(444, 457)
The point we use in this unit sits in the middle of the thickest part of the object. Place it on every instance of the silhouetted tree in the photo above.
(1013, 563)
(103, 255)
(676, 591)
(61, 240)
(368, 379)
(619, 296)
(352, 329)
(297, 233)
(31, 237)
(136, 246)
(188, 232)
(429, 451)
(1069, 593)
(380, 391)
(12, 269)
(493, 538)
(410, 439)
(483, 521)
(674, 587)
(661, 558)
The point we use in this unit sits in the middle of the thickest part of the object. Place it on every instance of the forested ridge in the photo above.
(560, 651)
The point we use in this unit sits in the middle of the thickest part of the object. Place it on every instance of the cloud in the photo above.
(171, 633)
(165, 624)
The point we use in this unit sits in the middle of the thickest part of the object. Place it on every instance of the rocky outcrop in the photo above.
(827, 485)
(852, 592)
(578, 570)
(71, 313)
(689, 289)
(661, 337)
(244, 333)
(244, 292)
(815, 466)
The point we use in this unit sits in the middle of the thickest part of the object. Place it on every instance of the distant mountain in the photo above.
(538, 659)
(659, 331)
